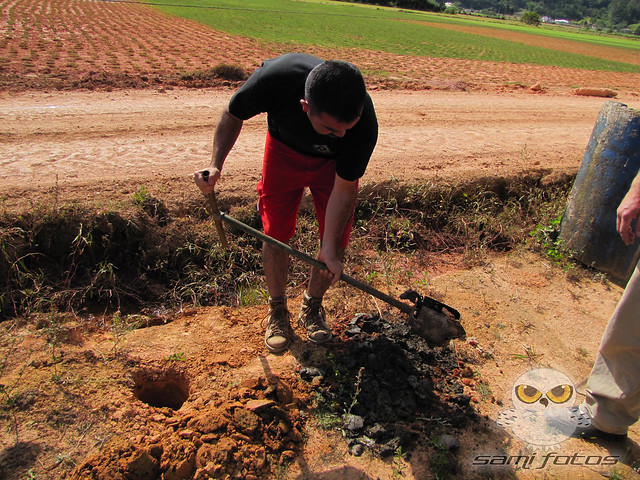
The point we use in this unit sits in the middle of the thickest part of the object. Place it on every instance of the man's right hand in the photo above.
(628, 212)
(626, 215)
(206, 185)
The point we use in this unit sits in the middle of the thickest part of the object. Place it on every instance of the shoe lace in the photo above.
(313, 314)
(278, 319)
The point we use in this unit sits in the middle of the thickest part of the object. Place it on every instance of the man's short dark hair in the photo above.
(336, 88)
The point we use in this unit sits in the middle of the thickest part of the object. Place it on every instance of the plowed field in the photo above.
(95, 44)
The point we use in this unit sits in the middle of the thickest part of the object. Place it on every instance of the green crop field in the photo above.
(343, 25)
(551, 31)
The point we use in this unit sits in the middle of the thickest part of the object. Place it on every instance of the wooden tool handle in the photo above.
(215, 212)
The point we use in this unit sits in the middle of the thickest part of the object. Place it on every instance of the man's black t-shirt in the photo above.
(277, 88)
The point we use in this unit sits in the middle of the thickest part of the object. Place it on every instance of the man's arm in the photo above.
(339, 210)
(224, 139)
(628, 211)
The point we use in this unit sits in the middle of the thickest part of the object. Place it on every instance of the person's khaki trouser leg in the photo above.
(613, 388)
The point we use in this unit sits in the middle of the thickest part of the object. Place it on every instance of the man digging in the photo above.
(322, 130)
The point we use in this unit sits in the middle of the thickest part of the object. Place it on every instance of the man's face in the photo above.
(325, 124)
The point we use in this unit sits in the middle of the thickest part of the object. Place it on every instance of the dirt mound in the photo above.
(247, 436)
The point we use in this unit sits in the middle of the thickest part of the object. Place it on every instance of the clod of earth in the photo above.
(596, 92)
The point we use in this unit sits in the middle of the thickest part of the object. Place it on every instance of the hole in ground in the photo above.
(168, 388)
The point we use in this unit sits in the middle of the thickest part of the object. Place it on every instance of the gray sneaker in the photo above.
(313, 319)
(576, 422)
(278, 334)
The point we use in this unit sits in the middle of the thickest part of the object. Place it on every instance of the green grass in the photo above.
(552, 31)
(292, 23)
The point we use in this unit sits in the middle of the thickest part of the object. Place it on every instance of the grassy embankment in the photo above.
(143, 254)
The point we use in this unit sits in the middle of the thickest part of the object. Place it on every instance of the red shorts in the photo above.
(285, 174)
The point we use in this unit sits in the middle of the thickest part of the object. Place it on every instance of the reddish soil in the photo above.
(63, 44)
(195, 394)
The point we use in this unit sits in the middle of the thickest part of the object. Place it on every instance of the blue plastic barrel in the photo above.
(609, 165)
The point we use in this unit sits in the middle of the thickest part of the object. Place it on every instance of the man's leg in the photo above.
(321, 191)
(276, 269)
(312, 316)
(280, 191)
(613, 388)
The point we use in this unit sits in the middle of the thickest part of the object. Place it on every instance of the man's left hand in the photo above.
(334, 267)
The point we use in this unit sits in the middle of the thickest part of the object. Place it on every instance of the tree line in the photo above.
(601, 14)
(605, 13)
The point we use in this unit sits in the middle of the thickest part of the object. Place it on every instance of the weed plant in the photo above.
(442, 463)
(222, 71)
(493, 215)
(79, 259)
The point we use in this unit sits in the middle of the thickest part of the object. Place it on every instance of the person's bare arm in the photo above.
(224, 139)
(628, 212)
(339, 210)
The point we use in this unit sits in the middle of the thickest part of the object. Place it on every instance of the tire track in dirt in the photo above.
(70, 138)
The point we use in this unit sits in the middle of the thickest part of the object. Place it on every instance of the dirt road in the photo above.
(83, 137)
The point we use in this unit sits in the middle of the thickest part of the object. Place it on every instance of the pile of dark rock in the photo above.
(388, 387)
